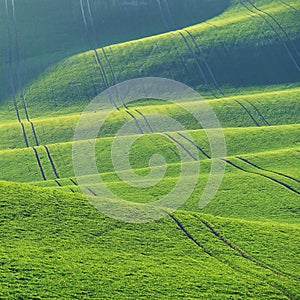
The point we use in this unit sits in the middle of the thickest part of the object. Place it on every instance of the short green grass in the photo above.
(53, 244)
(242, 245)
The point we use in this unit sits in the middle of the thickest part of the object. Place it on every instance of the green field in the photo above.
(243, 57)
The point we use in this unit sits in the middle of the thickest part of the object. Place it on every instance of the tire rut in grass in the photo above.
(290, 188)
(267, 170)
(260, 14)
(241, 252)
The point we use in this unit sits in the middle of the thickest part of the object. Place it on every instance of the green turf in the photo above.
(243, 244)
(52, 243)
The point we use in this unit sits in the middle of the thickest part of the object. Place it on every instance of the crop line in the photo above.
(194, 240)
(10, 76)
(14, 91)
(258, 112)
(24, 101)
(275, 31)
(146, 120)
(242, 252)
(262, 175)
(188, 235)
(73, 181)
(277, 23)
(248, 112)
(290, 6)
(172, 138)
(263, 169)
(193, 53)
(57, 182)
(138, 125)
(197, 63)
(51, 161)
(96, 56)
(136, 121)
(115, 81)
(196, 145)
(39, 163)
(169, 28)
(182, 146)
(205, 62)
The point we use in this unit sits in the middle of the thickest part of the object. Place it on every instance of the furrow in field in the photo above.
(290, 6)
(258, 112)
(188, 235)
(251, 10)
(248, 112)
(278, 24)
(290, 188)
(263, 169)
(205, 62)
(198, 64)
(244, 254)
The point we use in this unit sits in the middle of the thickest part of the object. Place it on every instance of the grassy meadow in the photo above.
(243, 57)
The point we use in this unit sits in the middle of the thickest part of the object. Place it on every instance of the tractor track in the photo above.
(51, 162)
(194, 144)
(262, 175)
(169, 29)
(263, 169)
(277, 23)
(198, 64)
(188, 235)
(24, 104)
(290, 6)
(224, 262)
(197, 61)
(274, 30)
(39, 163)
(242, 252)
(248, 112)
(10, 76)
(169, 136)
(114, 78)
(181, 146)
(259, 113)
(11, 80)
(96, 55)
(205, 62)
(137, 123)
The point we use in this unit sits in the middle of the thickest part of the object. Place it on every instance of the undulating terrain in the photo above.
(243, 57)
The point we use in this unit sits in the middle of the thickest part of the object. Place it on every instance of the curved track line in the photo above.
(238, 270)
(51, 162)
(205, 62)
(262, 175)
(258, 112)
(275, 31)
(196, 145)
(277, 23)
(248, 112)
(181, 146)
(188, 235)
(197, 63)
(260, 168)
(290, 6)
(242, 252)
(39, 163)
(137, 123)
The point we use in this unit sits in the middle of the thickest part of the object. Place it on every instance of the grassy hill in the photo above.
(55, 245)
(59, 28)
(244, 59)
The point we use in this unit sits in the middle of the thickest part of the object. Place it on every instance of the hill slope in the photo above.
(243, 56)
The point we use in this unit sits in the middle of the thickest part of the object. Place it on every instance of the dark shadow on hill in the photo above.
(42, 32)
